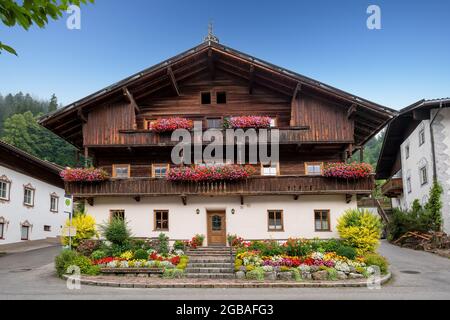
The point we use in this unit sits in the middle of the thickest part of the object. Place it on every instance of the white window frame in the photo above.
(7, 188)
(315, 165)
(22, 227)
(408, 184)
(56, 199)
(423, 174)
(407, 151)
(29, 203)
(2, 230)
(270, 170)
(421, 137)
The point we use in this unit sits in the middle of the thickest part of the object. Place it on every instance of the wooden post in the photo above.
(361, 154)
(86, 156)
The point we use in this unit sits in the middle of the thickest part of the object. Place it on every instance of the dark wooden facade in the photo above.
(317, 123)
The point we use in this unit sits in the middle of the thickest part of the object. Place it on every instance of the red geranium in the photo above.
(348, 170)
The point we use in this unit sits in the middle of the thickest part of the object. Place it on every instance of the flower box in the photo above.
(170, 125)
(214, 173)
(347, 170)
(84, 175)
(246, 122)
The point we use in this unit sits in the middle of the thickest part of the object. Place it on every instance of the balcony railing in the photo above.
(280, 185)
(289, 135)
(392, 188)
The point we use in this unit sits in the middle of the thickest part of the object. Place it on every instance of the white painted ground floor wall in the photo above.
(14, 213)
(249, 221)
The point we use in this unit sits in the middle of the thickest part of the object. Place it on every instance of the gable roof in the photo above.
(398, 130)
(25, 163)
(370, 117)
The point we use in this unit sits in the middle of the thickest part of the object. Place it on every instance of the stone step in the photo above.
(202, 259)
(211, 265)
(209, 270)
(211, 276)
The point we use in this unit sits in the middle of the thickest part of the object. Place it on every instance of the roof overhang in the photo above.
(67, 122)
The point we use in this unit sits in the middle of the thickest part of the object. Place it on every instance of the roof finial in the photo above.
(211, 37)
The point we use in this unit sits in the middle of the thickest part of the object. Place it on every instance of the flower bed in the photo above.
(299, 260)
(84, 175)
(246, 122)
(348, 170)
(170, 125)
(214, 173)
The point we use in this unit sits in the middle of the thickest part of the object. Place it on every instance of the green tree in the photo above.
(27, 13)
(23, 131)
(53, 105)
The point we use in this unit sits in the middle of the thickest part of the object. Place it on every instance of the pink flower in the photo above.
(250, 122)
(84, 175)
(348, 170)
(170, 124)
(214, 173)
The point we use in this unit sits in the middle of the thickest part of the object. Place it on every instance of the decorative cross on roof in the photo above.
(211, 37)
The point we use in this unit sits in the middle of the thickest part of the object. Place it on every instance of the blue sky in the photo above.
(407, 60)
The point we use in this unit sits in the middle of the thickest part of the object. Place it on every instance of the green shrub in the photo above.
(346, 251)
(141, 254)
(298, 247)
(116, 231)
(173, 274)
(179, 245)
(163, 247)
(98, 254)
(64, 259)
(332, 274)
(93, 271)
(331, 245)
(374, 259)
(116, 250)
(238, 264)
(85, 225)
(183, 263)
(83, 263)
(296, 274)
(360, 230)
(256, 274)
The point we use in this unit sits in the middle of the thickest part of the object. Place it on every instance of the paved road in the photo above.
(30, 275)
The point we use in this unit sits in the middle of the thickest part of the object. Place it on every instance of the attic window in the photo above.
(221, 97)
(206, 97)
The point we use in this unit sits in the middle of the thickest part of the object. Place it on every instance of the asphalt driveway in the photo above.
(417, 275)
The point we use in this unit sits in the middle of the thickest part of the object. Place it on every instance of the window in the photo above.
(160, 170)
(216, 123)
(25, 232)
(269, 169)
(322, 220)
(221, 97)
(313, 169)
(206, 97)
(47, 228)
(421, 136)
(121, 171)
(117, 214)
(408, 184)
(5, 185)
(161, 220)
(28, 196)
(275, 220)
(423, 175)
(407, 151)
(2, 230)
(148, 123)
(54, 201)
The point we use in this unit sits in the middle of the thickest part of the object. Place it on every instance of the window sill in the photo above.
(160, 230)
(28, 205)
(275, 230)
(323, 231)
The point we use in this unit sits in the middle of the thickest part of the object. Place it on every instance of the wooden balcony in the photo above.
(392, 188)
(255, 186)
(136, 138)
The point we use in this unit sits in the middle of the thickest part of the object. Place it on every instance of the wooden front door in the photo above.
(217, 229)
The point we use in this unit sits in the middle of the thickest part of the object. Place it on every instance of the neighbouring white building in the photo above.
(416, 151)
(31, 195)
(212, 83)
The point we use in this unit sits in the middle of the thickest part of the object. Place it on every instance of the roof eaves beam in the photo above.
(251, 79)
(351, 111)
(298, 88)
(130, 98)
(211, 64)
(173, 80)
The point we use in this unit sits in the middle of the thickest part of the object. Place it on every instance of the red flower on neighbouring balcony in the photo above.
(245, 122)
(347, 170)
(212, 173)
(170, 124)
(84, 175)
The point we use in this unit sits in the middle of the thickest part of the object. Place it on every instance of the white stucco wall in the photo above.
(441, 129)
(418, 156)
(249, 220)
(15, 213)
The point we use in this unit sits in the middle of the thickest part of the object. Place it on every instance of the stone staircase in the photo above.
(210, 263)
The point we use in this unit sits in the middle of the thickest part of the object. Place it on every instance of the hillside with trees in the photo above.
(19, 127)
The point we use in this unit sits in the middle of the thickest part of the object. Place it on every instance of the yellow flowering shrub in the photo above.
(361, 230)
(127, 255)
(85, 225)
